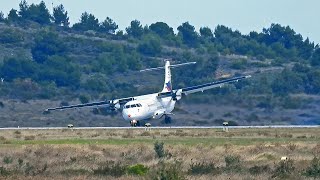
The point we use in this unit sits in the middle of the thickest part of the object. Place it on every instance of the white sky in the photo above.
(243, 15)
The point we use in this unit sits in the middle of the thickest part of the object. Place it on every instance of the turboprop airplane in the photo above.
(155, 105)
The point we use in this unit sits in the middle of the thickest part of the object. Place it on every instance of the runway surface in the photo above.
(166, 127)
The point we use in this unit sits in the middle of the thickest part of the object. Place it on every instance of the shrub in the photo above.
(4, 171)
(111, 168)
(314, 168)
(159, 149)
(138, 169)
(28, 138)
(84, 98)
(7, 160)
(232, 163)
(255, 170)
(284, 169)
(202, 168)
(170, 171)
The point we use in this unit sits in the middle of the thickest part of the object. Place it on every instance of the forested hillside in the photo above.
(45, 61)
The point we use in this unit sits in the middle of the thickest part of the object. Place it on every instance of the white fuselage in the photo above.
(147, 107)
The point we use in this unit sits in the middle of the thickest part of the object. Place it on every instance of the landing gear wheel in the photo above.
(134, 123)
(167, 120)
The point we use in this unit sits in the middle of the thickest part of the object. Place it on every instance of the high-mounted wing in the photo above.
(112, 104)
(203, 87)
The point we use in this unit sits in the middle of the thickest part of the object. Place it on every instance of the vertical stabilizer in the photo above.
(167, 87)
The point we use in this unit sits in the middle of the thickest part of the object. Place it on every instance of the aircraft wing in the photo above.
(107, 103)
(203, 87)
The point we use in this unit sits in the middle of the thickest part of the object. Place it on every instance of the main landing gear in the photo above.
(167, 119)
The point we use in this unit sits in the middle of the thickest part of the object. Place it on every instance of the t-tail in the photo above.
(167, 87)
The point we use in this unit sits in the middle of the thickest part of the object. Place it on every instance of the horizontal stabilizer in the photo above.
(171, 66)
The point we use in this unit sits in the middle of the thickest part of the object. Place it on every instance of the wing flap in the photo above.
(203, 87)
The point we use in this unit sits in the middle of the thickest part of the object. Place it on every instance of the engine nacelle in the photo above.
(177, 95)
(158, 114)
(115, 106)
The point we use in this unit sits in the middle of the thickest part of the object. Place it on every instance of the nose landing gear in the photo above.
(134, 123)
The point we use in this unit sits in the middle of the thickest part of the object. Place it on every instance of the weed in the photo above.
(232, 163)
(292, 146)
(170, 171)
(76, 172)
(7, 160)
(20, 162)
(138, 169)
(202, 168)
(29, 138)
(314, 168)
(111, 168)
(2, 138)
(256, 170)
(4, 171)
(17, 132)
(159, 149)
(284, 169)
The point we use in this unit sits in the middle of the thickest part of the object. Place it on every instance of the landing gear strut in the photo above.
(134, 123)
(167, 119)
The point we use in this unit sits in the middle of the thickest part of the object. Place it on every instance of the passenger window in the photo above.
(127, 107)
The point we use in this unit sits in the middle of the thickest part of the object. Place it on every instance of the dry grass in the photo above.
(74, 154)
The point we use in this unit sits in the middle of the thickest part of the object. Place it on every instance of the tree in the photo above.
(162, 29)
(135, 29)
(150, 46)
(39, 13)
(60, 70)
(315, 59)
(108, 26)
(47, 43)
(14, 67)
(1, 16)
(60, 16)
(187, 31)
(13, 16)
(206, 32)
(87, 22)
(24, 10)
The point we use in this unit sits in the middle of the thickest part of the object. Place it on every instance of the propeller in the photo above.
(176, 95)
(114, 105)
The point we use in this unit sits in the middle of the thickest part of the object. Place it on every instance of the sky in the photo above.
(242, 15)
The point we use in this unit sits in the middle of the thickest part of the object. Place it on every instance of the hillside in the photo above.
(46, 62)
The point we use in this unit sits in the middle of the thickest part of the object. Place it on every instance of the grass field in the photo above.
(185, 154)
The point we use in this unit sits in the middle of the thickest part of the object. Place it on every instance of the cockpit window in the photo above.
(127, 107)
(133, 105)
(139, 105)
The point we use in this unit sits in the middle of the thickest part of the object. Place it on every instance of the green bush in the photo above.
(233, 163)
(159, 149)
(4, 171)
(284, 169)
(7, 160)
(138, 169)
(84, 98)
(202, 168)
(314, 168)
(170, 171)
(256, 170)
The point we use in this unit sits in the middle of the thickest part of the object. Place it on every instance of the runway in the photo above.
(164, 127)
